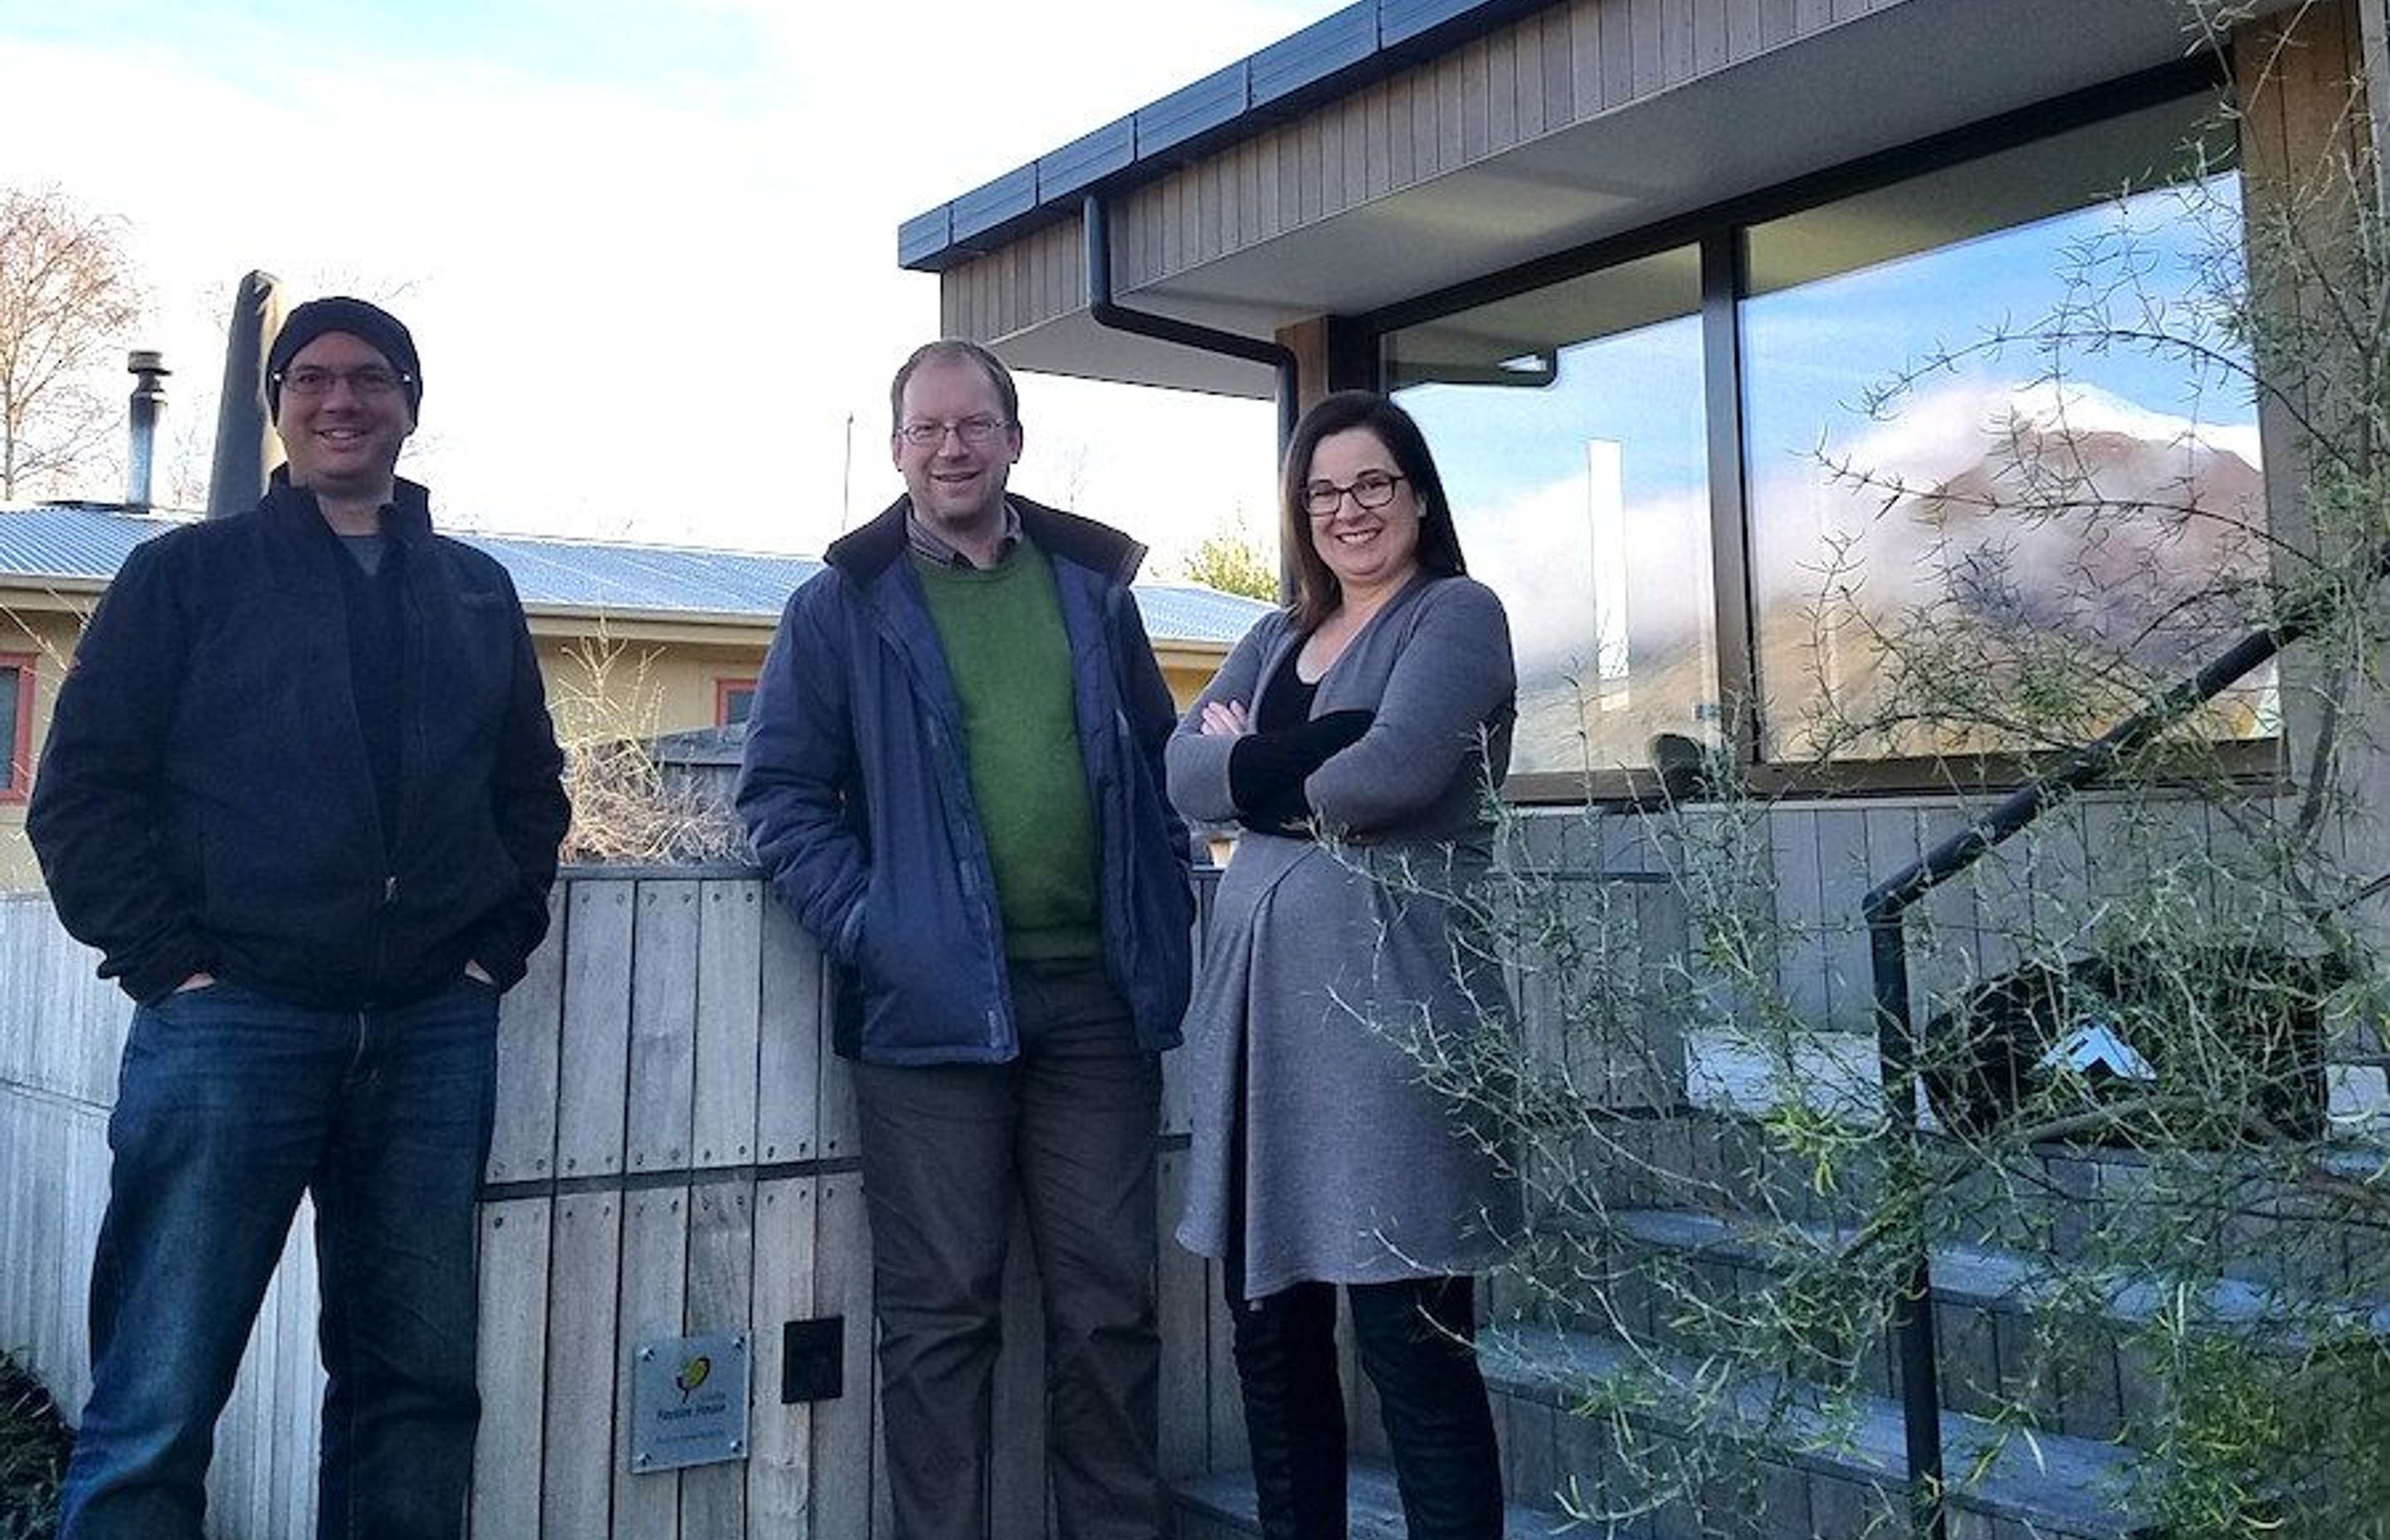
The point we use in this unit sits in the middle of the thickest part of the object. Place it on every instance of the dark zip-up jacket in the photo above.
(205, 800)
(856, 795)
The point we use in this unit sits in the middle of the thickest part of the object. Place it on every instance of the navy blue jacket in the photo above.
(206, 801)
(856, 795)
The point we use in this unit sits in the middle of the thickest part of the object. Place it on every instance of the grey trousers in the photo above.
(1068, 1127)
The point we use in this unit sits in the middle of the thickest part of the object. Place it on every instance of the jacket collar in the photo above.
(867, 552)
(407, 516)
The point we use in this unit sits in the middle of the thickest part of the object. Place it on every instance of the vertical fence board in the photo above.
(788, 1095)
(721, 1299)
(837, 1117)
(729, 1005)
(593, 1073)
(779, 1465)
(1661, 939)
(655, 1263)
(513, 1369)
(298, 1390)
(1842, 868)
(1958, 956)
(20, 1135)
(522, 1144)
(843, 1466)
(2064, 905)
(580, 1451)
(1800, 950)
(46, 1224)
(663, 1027)
(2001, 885)
(1180, 1310)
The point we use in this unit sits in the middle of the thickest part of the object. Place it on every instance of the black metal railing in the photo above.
(1886, 908)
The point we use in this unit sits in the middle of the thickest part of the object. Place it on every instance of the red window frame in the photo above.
(21, 752)
(722, 689)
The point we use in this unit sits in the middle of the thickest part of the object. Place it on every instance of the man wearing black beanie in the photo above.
(302, 793)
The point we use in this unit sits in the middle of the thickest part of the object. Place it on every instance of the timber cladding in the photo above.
(1559, 66)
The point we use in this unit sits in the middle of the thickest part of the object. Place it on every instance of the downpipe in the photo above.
(1095, 222)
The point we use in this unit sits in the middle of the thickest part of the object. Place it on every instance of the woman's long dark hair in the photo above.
(1317, 592)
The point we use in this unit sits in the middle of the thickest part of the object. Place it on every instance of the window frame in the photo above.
(1719, 233)
(724, 687)
(21, 750)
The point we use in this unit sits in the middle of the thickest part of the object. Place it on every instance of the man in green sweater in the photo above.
(952, 775)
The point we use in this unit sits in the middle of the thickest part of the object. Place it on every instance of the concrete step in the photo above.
(2282, 1220)
(1729, 1069)
(2018, 1337)
(1220, 1506)
(1668, 1447)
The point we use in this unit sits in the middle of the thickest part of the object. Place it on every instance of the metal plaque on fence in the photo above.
(689, 1402)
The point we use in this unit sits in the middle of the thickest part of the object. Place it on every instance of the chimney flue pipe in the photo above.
(148, 370)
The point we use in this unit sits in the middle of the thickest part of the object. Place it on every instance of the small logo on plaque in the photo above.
(689, 1402)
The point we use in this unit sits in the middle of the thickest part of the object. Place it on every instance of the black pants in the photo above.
(1415, 1340)
(1067, 1128)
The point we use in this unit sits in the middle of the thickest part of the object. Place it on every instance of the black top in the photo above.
(376, 604)
(218, 762)
(1267, 767)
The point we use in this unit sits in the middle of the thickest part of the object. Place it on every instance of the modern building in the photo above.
(1864, 401)
(1688, 293)
(635, 640)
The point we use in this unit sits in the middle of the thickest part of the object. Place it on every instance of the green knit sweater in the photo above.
(1002, 631)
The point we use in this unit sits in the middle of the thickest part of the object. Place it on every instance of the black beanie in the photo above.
(367, 323)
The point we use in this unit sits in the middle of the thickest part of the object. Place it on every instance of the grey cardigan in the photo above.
(1329, 971)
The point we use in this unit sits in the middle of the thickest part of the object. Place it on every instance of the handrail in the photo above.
(1885, 909)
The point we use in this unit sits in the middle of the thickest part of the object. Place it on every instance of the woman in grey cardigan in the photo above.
(1372, 713)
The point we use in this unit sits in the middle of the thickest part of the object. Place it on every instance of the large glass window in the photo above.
(1999, 471)
(2000, 448)
(1567, 423)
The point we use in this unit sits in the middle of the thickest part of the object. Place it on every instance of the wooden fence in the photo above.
(675, 1155)
(61, 1033)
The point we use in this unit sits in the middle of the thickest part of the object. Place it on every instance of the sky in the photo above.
(647, 250)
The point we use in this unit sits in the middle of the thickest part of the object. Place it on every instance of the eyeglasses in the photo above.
(371, 382)
(973, 431)
(1371, 489)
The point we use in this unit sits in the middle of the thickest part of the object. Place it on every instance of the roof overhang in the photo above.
(23, 591)
(1902, 73)
(682, 626)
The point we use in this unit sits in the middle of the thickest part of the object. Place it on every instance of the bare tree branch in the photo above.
(67, 296)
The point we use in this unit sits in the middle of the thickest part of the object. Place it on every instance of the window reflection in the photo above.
(2060, 505)
(1567, 423)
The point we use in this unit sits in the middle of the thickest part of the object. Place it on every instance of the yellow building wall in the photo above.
(615, 680)
(620, 689)
(46, 635)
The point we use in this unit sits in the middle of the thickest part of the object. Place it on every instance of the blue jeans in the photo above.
(231, 1105)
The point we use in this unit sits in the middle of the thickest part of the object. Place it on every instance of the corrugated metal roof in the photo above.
(593, 575)
(70, 540)
(87, 541)
(1189, 612)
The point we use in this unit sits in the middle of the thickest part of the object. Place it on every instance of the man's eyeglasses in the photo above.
(371, 382)
(1371, 489)
(973, 431)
